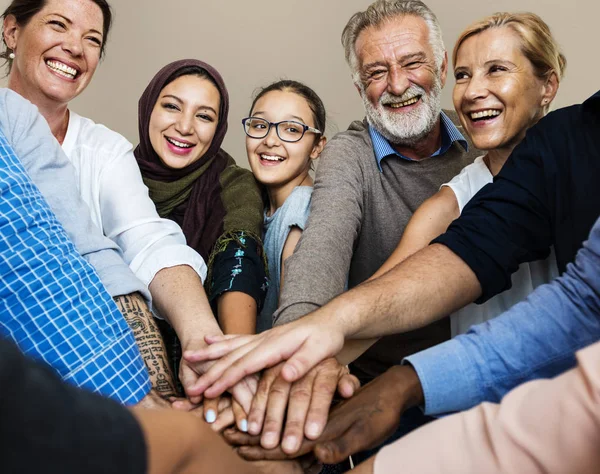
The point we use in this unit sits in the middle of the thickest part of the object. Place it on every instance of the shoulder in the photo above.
(97, 137)
(295, 210)
(15, 112)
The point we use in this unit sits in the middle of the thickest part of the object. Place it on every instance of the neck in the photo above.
(57, 115)
(495, 159)
(278, 194)
(425, 147)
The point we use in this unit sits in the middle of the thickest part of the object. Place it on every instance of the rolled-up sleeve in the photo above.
(507, 222)
(535, 338)
(149, 242)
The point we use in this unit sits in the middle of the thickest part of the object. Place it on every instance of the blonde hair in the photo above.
(537, 43)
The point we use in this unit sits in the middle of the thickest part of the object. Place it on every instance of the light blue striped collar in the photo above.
(450, 134)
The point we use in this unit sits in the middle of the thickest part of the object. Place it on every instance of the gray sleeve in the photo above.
(49, 168)
(318, 269)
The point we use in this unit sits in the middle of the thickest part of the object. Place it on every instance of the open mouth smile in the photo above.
(62, 69)
(406, 103)
(484, 115)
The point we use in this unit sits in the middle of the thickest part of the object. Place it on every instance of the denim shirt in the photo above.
(536, 338)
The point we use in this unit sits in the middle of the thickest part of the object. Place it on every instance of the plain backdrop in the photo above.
(304, 37)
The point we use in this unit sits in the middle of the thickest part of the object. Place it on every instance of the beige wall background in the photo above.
(305, 45)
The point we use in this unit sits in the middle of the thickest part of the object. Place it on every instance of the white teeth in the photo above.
(485, 113)
(272, 158)
(405, 103)
(178, 143)
(62, 69)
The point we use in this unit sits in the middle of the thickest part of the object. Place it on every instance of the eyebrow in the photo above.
(300, 119)
(502, 61)
(174, 97)
(70, 23)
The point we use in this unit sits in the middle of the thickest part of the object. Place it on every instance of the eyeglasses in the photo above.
(288, 131)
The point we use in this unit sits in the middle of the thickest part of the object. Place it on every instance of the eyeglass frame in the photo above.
(305, 128)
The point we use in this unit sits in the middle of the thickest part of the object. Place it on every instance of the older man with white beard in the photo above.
(372, 177)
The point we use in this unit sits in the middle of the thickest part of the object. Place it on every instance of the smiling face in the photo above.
(400, 83)
(274, 162)
(184, 120)
(497, 93)
(56, 52)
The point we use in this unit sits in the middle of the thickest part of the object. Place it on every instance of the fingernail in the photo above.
(254, 428)
(270, 440)
(313, 430)
(244, 426)
(289, 444)
(211, 416)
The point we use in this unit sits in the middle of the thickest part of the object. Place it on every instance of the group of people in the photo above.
(423, 263)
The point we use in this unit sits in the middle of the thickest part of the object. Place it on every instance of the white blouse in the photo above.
(111, 184)
(529, 275)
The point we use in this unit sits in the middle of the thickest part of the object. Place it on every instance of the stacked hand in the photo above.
(362, 422)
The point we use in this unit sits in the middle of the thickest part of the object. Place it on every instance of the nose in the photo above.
(272, 139)
(184, 124)
(398, 82)
(73, 44)
(476, 88)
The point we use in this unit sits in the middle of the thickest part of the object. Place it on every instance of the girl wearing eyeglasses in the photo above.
(284, 135)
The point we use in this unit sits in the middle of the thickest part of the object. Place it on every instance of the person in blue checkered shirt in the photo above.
(52, 302)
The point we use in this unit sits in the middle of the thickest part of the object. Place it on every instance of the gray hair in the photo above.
(385, 10)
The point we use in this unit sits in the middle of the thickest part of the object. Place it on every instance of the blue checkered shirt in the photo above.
(52, 303)
(450, 134)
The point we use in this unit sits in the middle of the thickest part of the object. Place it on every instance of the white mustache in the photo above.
(413, 91)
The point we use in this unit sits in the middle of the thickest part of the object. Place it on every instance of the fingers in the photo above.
(276, 407)
(338, 449)
(348, 385)
(235, 437)
(259, 403)
(257, 453)
(299, 403)
(245, 390)
(182, 404)
(188, 378)
(310, 353)
(211, 409)
(241, 420)
(323, 390)
(219, 347)
(225, 419)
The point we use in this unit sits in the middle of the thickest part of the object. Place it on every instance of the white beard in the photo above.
(406, 128)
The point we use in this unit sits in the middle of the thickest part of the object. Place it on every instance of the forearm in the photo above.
(149, 341)
(179, 443)
(237, 313)
(178, 295)
(426, 287)
(353, 349)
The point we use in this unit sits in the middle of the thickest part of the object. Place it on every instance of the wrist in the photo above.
(407, 385)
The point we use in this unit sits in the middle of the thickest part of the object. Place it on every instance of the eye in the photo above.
(170, 106)
(57, 24)
(94, 40)
(377, 74)
(205, 117)
(412, 65)
(258, 125)
(460, 76)
(497, 68)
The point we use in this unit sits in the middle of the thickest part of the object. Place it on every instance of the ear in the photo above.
(318, 148)
(444, 69)
(11, 31)
(549, 89)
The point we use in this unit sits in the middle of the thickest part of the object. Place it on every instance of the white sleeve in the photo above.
(129, 218)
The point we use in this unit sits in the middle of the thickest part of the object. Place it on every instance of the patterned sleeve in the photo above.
(239, 266)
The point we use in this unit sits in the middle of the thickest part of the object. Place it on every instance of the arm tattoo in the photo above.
(149, 341)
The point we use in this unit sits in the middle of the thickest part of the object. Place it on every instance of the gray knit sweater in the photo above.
(357, 218)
